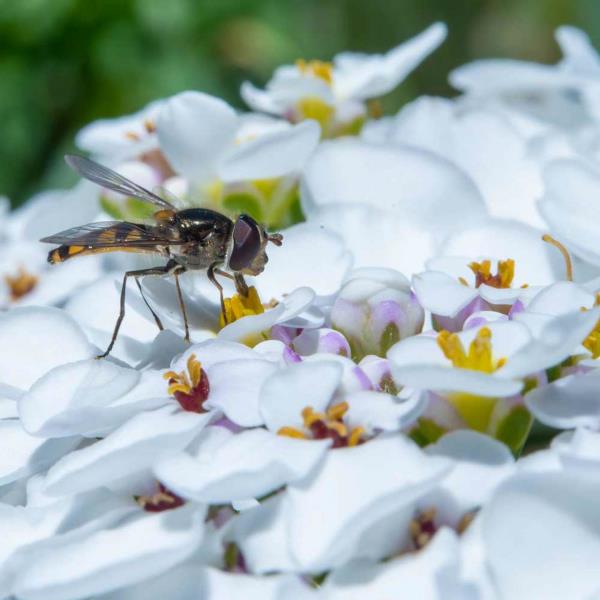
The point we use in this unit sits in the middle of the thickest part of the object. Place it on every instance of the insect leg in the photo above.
(139, 273)
(156, 318)
(240, 285)
(211, 276)
(176, 273)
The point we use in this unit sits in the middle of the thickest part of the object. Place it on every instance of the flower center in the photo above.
(505, 272)
(190, 387)
(163, 499)
(316, 68)
(478, 358)
(21, 284)
(423, 528)
(327, 426)
(239, 306)
(592, 341)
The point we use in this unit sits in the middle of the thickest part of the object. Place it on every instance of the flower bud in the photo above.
(375, 309)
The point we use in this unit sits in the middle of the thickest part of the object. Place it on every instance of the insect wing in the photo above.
(110, 234)
(110, 179)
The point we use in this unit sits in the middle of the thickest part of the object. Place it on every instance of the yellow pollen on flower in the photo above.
(565, 253)
(313, 107)
(317, 68)
(503, 277)
(186, 381)
(239, 306)
(592, 341)
(149, 126)
(21, 284)
(478, 358)
(327, 425)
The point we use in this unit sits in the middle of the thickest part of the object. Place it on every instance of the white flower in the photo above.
(337, 91)
(123, 138)
(205, 140)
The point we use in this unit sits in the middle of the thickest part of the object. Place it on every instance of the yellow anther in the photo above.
(291, 432)
(185, 382)
(317, 68)
(21, 284)
(338, 427)
(478, 358)
(239, 306)
(149, 126)
(356, 436)
(463, 281)
(337, 411)
(592, 341)
(565, 253)
(309, 416)
(503, 277)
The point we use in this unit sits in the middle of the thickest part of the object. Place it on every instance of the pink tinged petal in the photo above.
(35, 340)
(558, 339)
(249, 464)
(23, 454)
(87, 564)
(430, 574)
(272, 154)
(194, 131)
(569, 402)
(377, 411)
(548, 519)
(350, 510)
(135, 446)
(482, 318)
(365, 76)
(89, 398)
(476, 457)
(458, 322)
(235, 389)
(287, 392)
(412, 183)
(442, 294)
(311, 341)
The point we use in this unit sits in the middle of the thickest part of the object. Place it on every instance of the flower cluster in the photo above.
(404, 404)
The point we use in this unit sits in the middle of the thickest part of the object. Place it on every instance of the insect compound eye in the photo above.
(246, 243)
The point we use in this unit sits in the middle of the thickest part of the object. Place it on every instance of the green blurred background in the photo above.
(64, 63)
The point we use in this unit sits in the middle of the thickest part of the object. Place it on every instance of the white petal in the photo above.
(560, 298)
(569, 402)
(135, 446)
(235, 388)
(194, 130)
(378, 238)
(477, 458)
(272, 154)
(22, 454)
(536, 263)
(544, 519)
(248, 330)
(287, 392)
(81, 566)
(413, 183)
(441, 294)
(249, 464)
(309, 257)
(89, 398)
(35, 340)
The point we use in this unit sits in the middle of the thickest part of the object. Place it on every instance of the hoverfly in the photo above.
(191, 239)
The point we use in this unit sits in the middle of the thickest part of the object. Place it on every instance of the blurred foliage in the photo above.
(64, 63)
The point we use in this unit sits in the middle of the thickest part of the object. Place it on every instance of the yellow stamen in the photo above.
(502, 279)
(21, 284)
(338, 427)
(291, 432)
(313, 107)
(463, 281)
(239, 306)
(567, 257)
(592, 341)
(355, 436)
(309, 416)
(155, 499)
(131, 135)
(337, 411)
(317, 68)
(479, 356)
(149, 126)
(181, 382)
